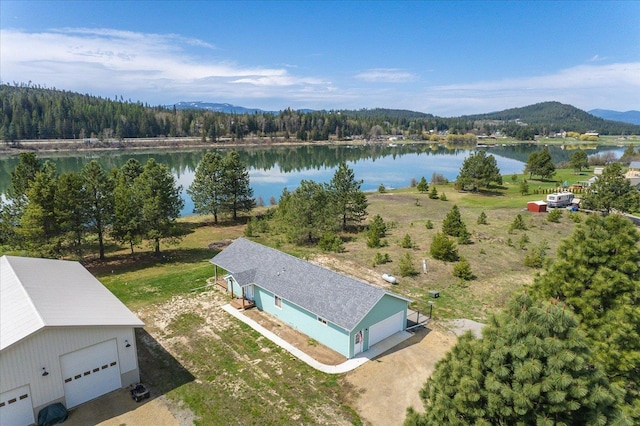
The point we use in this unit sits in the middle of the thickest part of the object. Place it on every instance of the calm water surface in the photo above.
(275, 168)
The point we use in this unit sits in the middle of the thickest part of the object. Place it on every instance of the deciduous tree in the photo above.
(579, 160)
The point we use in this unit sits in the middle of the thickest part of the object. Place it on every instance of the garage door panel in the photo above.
(90, 372)
(386, 328)
(16, 407)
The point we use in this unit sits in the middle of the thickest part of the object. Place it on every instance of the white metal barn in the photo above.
(64, 337)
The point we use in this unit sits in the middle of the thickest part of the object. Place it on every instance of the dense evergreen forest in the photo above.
(33, 112)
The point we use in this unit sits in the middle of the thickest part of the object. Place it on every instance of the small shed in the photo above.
(537, 206)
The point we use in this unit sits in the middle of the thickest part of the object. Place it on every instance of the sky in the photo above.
(446, 58)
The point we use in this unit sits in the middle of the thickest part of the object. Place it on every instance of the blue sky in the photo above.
(445, 58)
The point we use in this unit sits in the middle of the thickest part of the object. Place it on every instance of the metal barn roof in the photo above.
(337, 298)
(37, 293)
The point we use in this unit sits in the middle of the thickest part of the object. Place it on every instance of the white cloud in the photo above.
(386, 75)
(153, 66)
(614, 86)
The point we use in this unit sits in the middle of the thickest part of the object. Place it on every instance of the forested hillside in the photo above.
(32, 112)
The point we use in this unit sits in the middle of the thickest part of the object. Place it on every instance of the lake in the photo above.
(271, 169)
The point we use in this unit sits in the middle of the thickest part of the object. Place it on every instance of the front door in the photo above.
(357, 342)
(248, 292)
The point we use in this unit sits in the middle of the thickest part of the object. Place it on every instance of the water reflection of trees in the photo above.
(286, 158)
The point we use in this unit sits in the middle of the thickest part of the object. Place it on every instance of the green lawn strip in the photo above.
(157, 283)
(244, 378)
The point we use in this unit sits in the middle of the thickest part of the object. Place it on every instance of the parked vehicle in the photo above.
(139, 392)
(559, 199)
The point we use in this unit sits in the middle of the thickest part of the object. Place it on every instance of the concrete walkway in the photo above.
(348, 365)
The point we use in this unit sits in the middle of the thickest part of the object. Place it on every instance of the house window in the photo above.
(322, 320)
(277, 301)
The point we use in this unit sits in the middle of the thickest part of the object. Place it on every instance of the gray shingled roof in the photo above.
(335, 297)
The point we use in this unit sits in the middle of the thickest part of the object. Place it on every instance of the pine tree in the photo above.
(612, 191)
(443, 248)
(127, 203)
(422, 186)
(533, 365)
(597, 274)
(207, 190)
(99, 189)
(161, 202)
(349, 199)
(237, 194)
(453, 224)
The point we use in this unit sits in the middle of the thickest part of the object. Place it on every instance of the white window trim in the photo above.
(277, 299)
(323, 321)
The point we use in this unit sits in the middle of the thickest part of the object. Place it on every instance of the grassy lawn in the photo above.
(226, 373)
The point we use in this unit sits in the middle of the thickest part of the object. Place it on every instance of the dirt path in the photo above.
(383, 388)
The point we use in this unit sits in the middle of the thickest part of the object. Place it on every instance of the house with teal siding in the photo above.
(345, 314)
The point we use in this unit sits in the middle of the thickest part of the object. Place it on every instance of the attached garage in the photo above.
(386, 328)
(347, 315)
(63, 338)
(16, 407)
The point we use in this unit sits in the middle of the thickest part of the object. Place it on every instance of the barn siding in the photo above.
(22, 363)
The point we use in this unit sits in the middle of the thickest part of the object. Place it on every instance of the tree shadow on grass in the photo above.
(120, 263)
(158, 368)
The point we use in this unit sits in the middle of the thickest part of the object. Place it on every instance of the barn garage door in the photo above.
(90, 372)
(386, 328)
(16, 408)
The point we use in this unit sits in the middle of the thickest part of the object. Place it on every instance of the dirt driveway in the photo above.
(383, 388)
(118, 409)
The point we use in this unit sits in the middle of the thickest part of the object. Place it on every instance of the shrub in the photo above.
(524, 240)
(382, 189)
(433, 193)
(575, 217)
(464, 237)
(406, 241)
(518, 223)
(537, 257)
(462, 269)
(376, 231)
(406, 266)
(554, 215)
(443, 197)
(423, 186)
(381, 259)
(453, 224)
(482, 219)
(443, 248)
(413, 183)
(331, 242)
(439, 179)
(524, 187)
(248, 230)
(428, 224)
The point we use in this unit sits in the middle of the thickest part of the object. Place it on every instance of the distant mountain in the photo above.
(226, 108)
(631, 117)
(555, 115)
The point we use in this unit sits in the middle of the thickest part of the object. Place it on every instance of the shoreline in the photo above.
(136, 144)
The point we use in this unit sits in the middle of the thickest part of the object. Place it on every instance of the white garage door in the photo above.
(16, 408)
(386, 328)
(90, 372)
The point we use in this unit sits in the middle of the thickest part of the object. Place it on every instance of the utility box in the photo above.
(434, 294)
